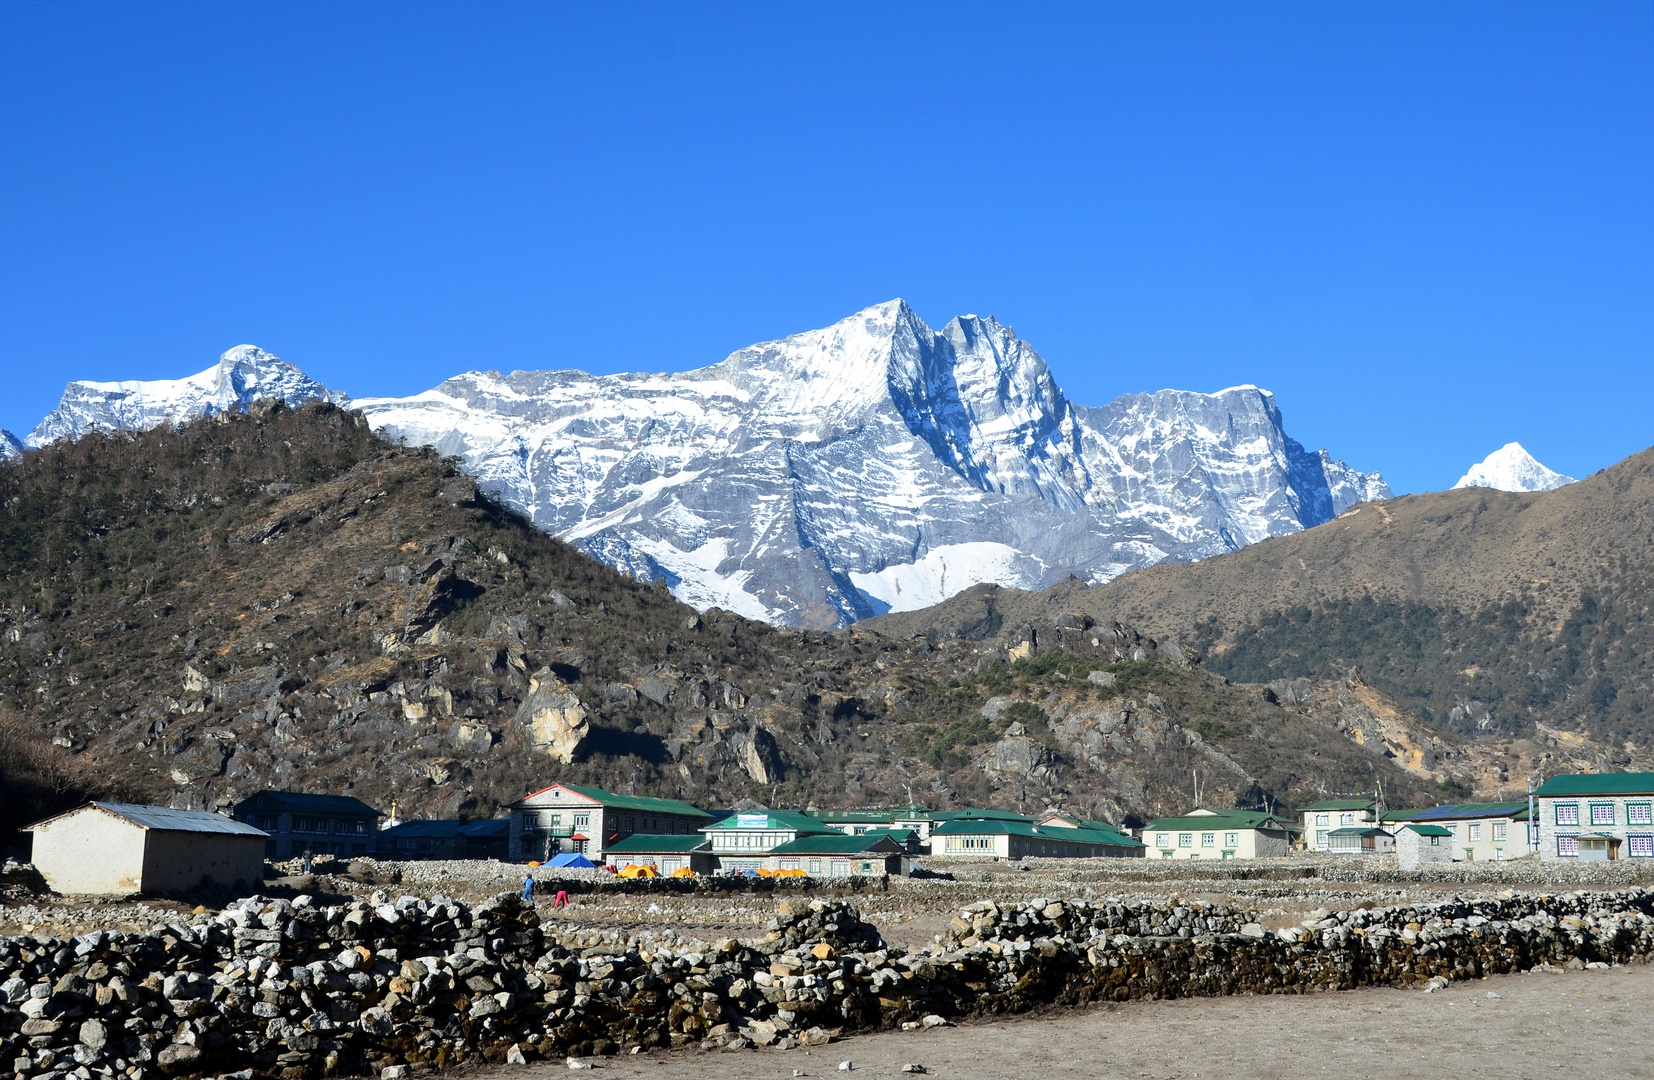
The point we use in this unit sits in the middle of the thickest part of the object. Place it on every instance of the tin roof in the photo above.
(609, 800)
(774, 819)
(1458, 811)
(1341, 804)
(445, 828)
(1429, 830)
(163, 819)
(839, 844)
(1222, 820)
(1629, 783)
(658, 843)
(306, 804)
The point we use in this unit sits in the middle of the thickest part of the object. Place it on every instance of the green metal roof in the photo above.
(1629, 783)
(1341, 804)
(1027, 829)
(1356, 830)
(839, 844)
(791, 820)
(977, 813)
(1429, 830)
(1242, 819)
(612, 801)
(659, 843)
(1398, 815)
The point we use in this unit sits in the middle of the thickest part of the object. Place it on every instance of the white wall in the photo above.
(92, 852)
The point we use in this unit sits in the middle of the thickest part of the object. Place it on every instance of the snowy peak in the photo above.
(10, 445)
(242, 376)
(1511, 468)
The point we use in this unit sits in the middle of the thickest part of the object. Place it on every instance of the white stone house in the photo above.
(118, 849)
(566, 818)
(1423, 845)
(1615, 810)
(1321, 818)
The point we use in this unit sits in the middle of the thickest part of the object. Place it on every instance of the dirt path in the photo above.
(1574, 1024)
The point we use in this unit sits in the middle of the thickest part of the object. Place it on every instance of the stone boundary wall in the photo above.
(291, 989)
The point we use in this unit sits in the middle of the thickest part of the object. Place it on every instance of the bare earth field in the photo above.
(1574, 1024)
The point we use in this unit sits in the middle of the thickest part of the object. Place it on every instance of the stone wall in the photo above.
(292, 989)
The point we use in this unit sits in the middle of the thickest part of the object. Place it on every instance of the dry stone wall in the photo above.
(293, 989)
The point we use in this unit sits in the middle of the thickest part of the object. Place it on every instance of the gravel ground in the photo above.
(1564, 1024)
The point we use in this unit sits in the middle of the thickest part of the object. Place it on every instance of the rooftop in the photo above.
(1457, 811)
(306, 804)
(1223, 819)
(1630, 783)
(1429, 830)
(794, 820)
(1061, 833)
(658, 843)
(163, 819)
(447, 828)
(839, 844)
(611, 801)
(1341, 804)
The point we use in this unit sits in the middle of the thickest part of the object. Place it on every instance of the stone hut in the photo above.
(117, 849)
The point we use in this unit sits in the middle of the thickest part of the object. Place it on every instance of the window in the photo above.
(582, 821)
(1321, 819)
(1185, 839)
(1346, 819)
(1476, 831)
(1602, 813)
(1499, 832)
(1641, 845)
(1321, 838)
(1567, 813)
(1208, 839)
(1639, 813)
(815, 866)
(1162, 839)
(1435, 841)
(1231, 839)
(1567, 847)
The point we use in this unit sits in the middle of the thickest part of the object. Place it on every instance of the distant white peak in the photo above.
(1511, 468)
(10, 445)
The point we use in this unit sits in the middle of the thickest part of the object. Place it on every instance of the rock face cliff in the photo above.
(876, 465)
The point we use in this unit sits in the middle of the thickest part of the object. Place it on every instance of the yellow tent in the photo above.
(637, 870)
(683, 871)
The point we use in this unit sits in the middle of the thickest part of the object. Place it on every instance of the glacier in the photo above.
(871, 466)
(1512, 468)
(242, 375)
(875, 465)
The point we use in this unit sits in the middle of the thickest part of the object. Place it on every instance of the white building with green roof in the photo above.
(1321, 818)
(1596, 816)
(567, 817)
(1218, 834)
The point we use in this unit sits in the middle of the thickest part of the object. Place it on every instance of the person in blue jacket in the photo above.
(528, 888)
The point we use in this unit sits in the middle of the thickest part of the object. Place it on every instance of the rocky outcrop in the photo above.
(553, 716)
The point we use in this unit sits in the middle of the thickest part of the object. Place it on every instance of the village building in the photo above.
(1006, 838)
(446, 839)
(1482, 832)
(299, 824)
(1596, 816)
(1391, 821)
(1358, 841)
(666, 854)
(1118, 844)
(1321, 818)
(566, 818)
(824, 855)
(1218, 834)
(118, 849)
(1423, 845)
(741, 840)
(861, 822)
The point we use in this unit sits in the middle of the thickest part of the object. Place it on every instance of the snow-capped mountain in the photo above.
(10, 445)
(1511, 468)
(875, 465)
(242, 375)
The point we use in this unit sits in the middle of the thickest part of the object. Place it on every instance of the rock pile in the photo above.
(297, 990)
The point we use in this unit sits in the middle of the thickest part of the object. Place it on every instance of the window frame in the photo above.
(1639, 813)
(1643, 840)
(1185, 839)
(1567, 845)
(1208, 839)
(1572, 809)
(1603, 813)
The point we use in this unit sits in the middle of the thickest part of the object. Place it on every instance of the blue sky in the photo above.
(1426, 227)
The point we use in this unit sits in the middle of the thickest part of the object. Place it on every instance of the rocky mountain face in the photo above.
(1511, 468)
(281, 598)
(876, 465)
(1482, 612)
(10, 445)
(242, 376)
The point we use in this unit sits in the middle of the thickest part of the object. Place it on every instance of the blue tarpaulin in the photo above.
(572, 859)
